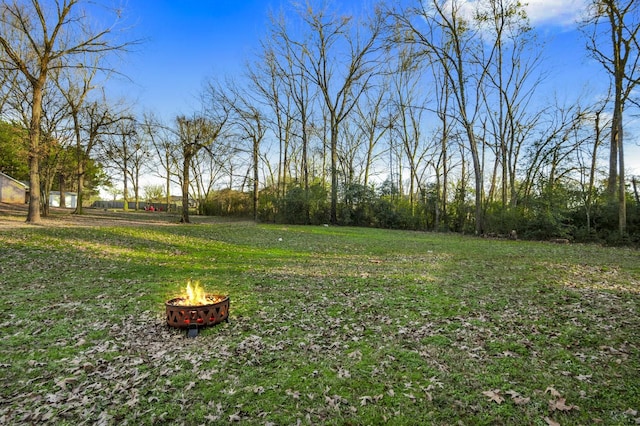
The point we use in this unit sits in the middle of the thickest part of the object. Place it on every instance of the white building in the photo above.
(70, 199)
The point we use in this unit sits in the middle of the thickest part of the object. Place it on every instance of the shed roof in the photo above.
(14, 180)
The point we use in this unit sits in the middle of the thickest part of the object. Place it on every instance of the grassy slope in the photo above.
(328, 325)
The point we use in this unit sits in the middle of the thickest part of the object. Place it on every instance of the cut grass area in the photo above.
(328, 325)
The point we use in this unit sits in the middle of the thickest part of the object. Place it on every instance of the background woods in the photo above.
(415, 115)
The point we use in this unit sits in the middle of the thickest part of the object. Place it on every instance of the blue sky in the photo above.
(186, 42)
(189, 41)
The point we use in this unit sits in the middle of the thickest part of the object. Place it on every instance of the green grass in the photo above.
(328, 325)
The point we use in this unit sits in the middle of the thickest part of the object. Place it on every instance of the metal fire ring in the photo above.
(181, 316)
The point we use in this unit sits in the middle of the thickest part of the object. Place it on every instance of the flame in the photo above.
(195, 295)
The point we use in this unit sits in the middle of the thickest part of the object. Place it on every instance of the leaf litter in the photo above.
(133, 367)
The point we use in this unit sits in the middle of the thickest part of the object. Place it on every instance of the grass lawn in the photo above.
(328, 325)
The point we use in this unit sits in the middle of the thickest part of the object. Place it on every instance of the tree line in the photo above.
(417, 115)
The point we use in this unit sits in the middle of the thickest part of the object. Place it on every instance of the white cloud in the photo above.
(555, 12)
(541, 12)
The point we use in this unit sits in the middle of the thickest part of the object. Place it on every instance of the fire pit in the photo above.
(197, 309)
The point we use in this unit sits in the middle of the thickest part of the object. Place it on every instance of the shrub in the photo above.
(228, 202)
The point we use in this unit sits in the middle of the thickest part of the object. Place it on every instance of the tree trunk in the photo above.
(185, 188)
(616, 135)
(168, 185)
(80, 198)
(622, 195)
(305, 169)
(33, 215)
(592, 172)
(136, 190)
(635, 190)
(477, 171)
(255, 178)
(81, 158)
(334, 172)
(61, 186)
(125, 194)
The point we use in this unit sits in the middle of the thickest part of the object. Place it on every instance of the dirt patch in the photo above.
(15, 215)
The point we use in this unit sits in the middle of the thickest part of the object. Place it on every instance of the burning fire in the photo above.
(195, 296)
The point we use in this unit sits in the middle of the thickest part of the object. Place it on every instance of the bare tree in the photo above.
(410, 105)
(53, 130)
(442, 95)
(195, 134)
(294, 66)
(270, 80)
(450, 38)
(370, 122)
(340, 80)
(551, 156)
(290, 64)
(36, 38)
(122, 149)
(208, 171)
(96, 118)
(164, 141)
(612, 28)
(75, 85)
(589, 158)
(512, 55)
(55, 141)
(250, 121)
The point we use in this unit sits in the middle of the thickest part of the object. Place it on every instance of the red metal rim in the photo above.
(203, 315)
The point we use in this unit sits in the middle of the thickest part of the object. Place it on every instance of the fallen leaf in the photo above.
(521, 401)
(410, 396)
(435, 382)
(552, 391)
(355, 355)
(551, 422)
(364, 400)
(63, 382)
(517, 398)
(343, 373)
(561, 405)
(494, 395)
(293, 394)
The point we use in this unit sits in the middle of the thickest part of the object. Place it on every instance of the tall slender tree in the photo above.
(75, 85)
(163, 141)
(341, 82)
(36, 38)
(122, 151)
(195, 134)
(95, 118)
(612, 28)
(447, 34)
